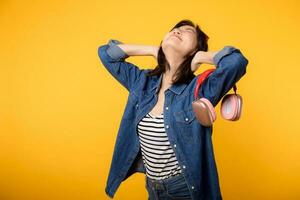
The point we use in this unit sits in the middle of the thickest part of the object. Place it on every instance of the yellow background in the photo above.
(60, 108)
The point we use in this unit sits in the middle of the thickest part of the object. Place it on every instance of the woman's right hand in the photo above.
(155, 52)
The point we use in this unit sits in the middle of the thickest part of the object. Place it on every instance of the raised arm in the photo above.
(230, 67)
(113, 55)
(139, 50)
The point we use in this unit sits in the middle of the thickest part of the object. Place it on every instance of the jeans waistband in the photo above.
(165, 181)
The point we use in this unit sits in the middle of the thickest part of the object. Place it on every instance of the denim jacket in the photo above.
(191, 142)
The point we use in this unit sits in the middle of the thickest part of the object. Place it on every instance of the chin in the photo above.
(172, 45)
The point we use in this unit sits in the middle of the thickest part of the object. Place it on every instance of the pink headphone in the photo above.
(231, 105)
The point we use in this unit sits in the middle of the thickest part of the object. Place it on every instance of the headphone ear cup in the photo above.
(205, 112)
(240, 106)
(231, 107)
(211, 109)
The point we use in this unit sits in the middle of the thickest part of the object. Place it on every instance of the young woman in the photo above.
(159, 134)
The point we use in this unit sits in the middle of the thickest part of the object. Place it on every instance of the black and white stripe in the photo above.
(158, 156)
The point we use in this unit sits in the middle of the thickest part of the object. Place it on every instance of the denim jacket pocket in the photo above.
(184, 124)
(185, 116)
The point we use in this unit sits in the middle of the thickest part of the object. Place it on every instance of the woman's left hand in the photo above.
(202, 57)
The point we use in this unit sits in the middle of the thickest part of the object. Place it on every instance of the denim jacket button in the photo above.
(183, 166)
(167, 108)
(186, 119)
(167, 126)
(175, 145)
(192, 187)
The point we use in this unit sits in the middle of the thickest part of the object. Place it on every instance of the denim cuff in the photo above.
(115, 52)
(223, 52)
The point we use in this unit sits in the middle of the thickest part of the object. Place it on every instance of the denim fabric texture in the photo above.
(172, 188)
(191, 142)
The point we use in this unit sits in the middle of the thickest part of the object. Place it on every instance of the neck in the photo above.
(174, 59)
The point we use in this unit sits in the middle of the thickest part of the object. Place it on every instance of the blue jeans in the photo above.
(174, 187)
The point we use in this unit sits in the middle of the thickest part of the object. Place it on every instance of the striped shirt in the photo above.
(158, 156)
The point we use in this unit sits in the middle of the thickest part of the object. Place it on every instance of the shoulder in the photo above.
(144, 82)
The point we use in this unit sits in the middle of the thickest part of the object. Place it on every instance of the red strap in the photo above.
(200, 80)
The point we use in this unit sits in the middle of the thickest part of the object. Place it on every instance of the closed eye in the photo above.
(189, 30)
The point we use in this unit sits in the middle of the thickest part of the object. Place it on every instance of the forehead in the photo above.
(187, 26)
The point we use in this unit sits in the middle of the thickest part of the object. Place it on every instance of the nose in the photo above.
(176, 31)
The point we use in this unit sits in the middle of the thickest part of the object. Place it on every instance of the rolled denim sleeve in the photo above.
(231, 65)
(115, 52)
(113, 59)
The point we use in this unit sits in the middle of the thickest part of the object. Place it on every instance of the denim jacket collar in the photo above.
(178, 89)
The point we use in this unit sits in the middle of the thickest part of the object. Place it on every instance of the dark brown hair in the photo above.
(184, 73)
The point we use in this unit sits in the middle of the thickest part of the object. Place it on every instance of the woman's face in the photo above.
(182, 39)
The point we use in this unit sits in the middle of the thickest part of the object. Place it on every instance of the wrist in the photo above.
(154, 50)
(210, 56)
(207, 57)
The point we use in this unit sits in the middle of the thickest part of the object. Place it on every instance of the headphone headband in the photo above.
(201, 78)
